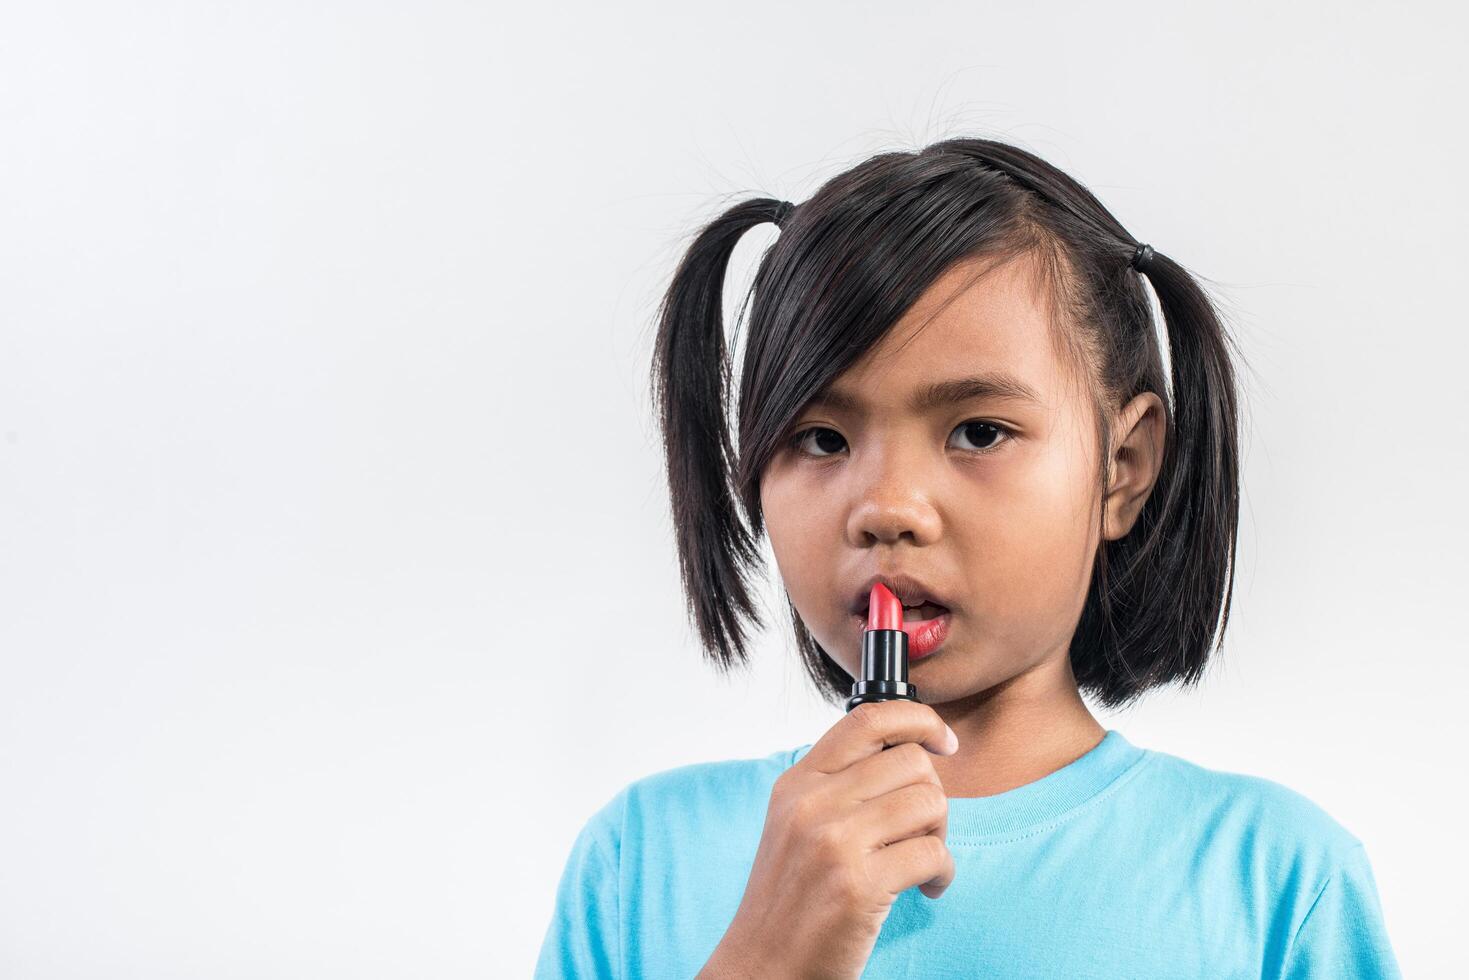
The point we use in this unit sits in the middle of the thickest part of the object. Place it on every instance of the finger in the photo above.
(912, 811)
(876, 775)
(923, 861)
(869, 728)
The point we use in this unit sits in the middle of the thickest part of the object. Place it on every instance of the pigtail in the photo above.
(690, 388)
(1164, 589)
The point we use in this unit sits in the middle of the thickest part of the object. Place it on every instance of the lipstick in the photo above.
(884, 674)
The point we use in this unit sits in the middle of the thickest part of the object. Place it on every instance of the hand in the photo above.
(861, 817)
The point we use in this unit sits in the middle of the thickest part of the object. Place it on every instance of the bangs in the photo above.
(848, 265)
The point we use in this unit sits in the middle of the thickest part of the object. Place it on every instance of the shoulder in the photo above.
(721, 776)
(1303, 878)
(1252, 812)
(692, 799)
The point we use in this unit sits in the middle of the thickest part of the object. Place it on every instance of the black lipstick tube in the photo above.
(884, 669)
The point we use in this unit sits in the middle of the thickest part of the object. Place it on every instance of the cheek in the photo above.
(793, 525)
(1029, 552)
(805, 533)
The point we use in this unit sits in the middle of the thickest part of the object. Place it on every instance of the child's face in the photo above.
(1007, 535)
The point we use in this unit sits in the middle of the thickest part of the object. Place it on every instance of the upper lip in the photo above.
(910, 591)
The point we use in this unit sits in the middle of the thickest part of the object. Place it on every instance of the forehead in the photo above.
(980, 315)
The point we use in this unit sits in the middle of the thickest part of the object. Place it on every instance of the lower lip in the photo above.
(924, 635)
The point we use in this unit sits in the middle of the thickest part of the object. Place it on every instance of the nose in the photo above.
(892, 504)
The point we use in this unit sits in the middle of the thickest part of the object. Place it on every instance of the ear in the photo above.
(1138, 436)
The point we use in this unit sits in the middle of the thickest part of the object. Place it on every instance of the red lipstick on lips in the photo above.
(884, 674)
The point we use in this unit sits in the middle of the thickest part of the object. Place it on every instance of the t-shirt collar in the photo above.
(1028, 808)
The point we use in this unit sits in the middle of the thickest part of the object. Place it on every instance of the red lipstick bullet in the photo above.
(884, 652)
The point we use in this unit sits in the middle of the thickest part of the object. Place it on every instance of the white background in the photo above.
(337, 585)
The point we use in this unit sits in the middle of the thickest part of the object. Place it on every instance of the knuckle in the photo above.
(852, 886)
(915, 760)
(933, 800)
(829, 841)
(935, 853)
(865, 717)
(935, 720)
(802, 809)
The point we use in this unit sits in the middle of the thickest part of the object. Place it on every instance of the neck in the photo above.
(1016, 732)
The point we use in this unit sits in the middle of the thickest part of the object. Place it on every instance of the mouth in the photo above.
(927, 615)
(919, 614)
(926, 624)
(920, 602)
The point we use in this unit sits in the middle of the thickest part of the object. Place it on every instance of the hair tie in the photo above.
(782, 211)
(1142, 258)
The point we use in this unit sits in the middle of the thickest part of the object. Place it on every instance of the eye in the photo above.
(982, 435)
(818, 441)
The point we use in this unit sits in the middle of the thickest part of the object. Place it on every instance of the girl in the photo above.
(953, 386)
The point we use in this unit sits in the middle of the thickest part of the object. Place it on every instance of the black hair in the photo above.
(847, 264)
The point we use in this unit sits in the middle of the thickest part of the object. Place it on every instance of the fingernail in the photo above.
(953, 739)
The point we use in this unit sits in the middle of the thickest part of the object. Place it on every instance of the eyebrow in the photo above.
(942, 393)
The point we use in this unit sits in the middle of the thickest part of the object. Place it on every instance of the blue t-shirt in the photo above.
(1126, 863)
